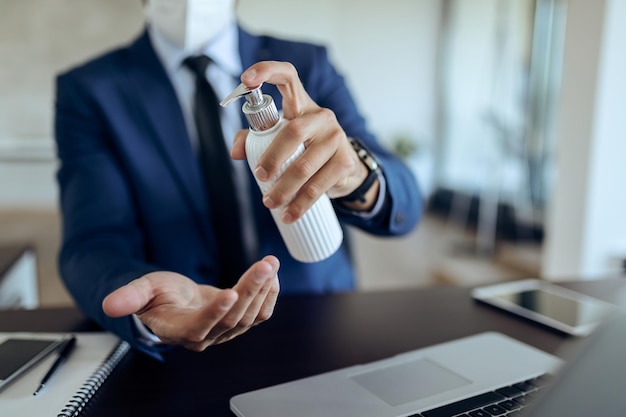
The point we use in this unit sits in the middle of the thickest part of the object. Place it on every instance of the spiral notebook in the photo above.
(74, 384)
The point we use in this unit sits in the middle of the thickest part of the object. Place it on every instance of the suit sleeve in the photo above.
(101, 239)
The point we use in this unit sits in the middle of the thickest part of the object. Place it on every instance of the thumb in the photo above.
(129, 299)
(238, 151)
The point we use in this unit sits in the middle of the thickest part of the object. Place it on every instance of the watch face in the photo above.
(365, 155)
(373, 168)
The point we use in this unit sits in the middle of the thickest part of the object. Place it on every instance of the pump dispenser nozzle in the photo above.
(259, 108)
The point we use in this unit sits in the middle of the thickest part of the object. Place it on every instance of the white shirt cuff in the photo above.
(145, 335)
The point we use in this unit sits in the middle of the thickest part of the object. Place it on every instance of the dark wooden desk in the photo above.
(306, 336)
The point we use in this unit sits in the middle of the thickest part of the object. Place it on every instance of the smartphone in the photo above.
(17, 355)
(552, 305)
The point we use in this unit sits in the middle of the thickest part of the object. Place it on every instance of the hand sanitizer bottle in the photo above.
(317, 234)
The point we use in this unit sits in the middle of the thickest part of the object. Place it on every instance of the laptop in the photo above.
(482, 375)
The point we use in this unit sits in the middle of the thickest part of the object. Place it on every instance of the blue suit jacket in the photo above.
(132, 195)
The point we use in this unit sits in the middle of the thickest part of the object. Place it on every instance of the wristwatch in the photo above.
(373, 168)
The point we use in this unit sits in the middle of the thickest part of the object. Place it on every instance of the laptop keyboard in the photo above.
(507, 401)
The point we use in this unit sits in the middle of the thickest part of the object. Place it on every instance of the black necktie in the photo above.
(218, 176)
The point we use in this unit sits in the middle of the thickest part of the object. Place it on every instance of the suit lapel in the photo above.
(155, 95)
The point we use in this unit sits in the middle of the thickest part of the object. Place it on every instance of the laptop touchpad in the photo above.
(410, 381)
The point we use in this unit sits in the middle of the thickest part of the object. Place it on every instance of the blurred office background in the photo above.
(509, 112)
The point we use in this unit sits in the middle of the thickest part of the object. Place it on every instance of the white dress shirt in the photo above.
(223, 75)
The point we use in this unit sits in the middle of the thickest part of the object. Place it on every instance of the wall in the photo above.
(386, 50)
(39, 38)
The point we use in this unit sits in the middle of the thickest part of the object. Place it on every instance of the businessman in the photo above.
(142, 251)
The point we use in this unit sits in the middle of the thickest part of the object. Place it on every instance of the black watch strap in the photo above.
(373, 168)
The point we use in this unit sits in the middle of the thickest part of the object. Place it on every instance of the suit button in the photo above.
(399, 218)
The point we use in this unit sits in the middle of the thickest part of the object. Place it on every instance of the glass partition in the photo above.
(499, 74)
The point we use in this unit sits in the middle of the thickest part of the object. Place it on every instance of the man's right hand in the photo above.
(180, 311)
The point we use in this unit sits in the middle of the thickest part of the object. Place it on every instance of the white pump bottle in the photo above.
(317, 234)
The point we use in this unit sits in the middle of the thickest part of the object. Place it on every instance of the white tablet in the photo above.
(558, 307)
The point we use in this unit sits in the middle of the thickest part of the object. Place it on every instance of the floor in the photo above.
(437, 253)
(434, 254)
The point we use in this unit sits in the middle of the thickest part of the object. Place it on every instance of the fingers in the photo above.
(238, 151)
(325, 162)
(267, 308)
(226, 317)
(284, 75)
(261, 307)
(257, 290)
(328, 164)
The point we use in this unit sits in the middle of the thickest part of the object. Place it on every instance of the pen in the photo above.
(65, 350)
